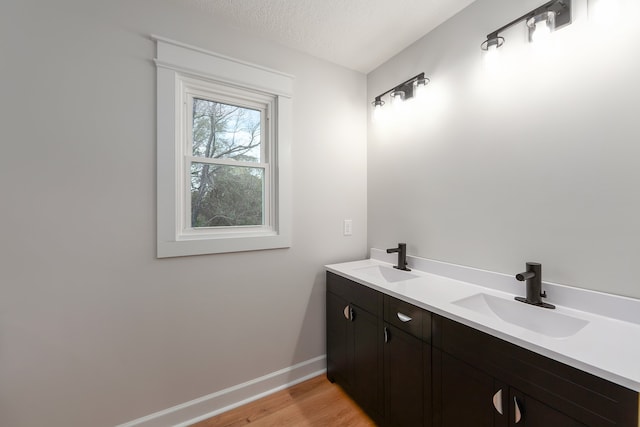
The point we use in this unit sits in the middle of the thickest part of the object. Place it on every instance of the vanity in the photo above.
(448, 346)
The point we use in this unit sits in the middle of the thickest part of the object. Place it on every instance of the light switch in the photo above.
(348, 227)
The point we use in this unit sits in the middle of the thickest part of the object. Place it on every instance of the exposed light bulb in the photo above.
(541, 26)
(491, 55)
(420, 87)
(541, 32)
(491, 47)
(378, 113)
(377, 109)
(397, 99)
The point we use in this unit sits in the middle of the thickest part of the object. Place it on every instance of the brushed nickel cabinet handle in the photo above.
(348, 313)
(497, 402)
(404, 317)
(518, 414)
(386, 334)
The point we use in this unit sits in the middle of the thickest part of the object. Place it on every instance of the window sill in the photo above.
(221, 244)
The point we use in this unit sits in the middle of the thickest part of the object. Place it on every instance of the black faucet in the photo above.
(402, 256)
(533, 276)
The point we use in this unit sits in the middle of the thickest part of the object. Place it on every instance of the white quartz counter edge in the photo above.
(606, 347)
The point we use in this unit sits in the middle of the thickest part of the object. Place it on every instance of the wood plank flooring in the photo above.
(313, 403)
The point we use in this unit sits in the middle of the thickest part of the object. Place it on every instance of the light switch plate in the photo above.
(347, 228)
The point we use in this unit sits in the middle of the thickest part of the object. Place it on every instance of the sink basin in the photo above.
(541, 320)
(387, 274)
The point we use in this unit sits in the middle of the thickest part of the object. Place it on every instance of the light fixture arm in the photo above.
(562, 9)
(526, 16)
(406, 86)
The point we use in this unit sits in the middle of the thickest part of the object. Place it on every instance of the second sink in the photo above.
(545, 322)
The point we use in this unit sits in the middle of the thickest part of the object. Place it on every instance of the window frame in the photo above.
(197, 89)
(182, 72)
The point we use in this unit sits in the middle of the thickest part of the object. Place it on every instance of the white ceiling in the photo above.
(357, 34)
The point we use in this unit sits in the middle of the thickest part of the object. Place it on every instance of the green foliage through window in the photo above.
(223, 194)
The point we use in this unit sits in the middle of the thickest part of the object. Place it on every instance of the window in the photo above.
(227, 154)
(223, 153)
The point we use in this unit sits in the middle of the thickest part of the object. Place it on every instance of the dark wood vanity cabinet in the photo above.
(408, 367)
(403, 379)
(376, 351)
(407, 364)
(354, 342)
(467, 396)
(495, 383)
(463, 394)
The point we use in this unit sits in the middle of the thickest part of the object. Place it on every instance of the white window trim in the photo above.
(177, 63)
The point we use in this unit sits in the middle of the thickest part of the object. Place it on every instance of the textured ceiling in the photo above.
(358, 34)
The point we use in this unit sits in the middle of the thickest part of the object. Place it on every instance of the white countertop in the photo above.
(608, 346)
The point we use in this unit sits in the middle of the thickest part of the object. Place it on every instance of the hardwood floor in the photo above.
(313, 403)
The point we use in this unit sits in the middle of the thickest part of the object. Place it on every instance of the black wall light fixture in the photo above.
(540, 21)
(405, 90)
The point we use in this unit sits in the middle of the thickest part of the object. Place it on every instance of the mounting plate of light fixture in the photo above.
(405, 90)
(540, 22)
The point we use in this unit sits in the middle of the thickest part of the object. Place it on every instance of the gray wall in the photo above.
(94, 330)
(535, 159)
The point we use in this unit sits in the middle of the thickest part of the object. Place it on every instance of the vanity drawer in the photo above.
(355, 293)
(407, 317)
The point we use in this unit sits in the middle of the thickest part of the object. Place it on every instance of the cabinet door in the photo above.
(403, 379)
(528, 412)
(337, 340)
(466, 396)
(366, 362)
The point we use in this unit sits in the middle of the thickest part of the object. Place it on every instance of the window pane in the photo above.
(224, 131)
(224, 196)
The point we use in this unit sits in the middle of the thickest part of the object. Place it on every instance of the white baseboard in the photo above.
(221, 401)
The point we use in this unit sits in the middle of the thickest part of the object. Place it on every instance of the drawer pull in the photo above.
(518, 414)
(497, 402)
(348, 313)
(386, 334)
(404, 317)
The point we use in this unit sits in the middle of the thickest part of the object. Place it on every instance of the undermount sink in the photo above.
(387, 274)
(543, 321)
